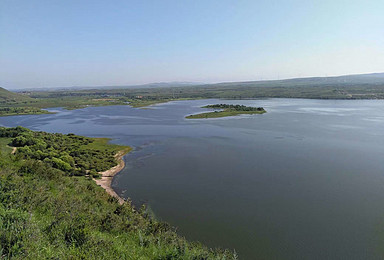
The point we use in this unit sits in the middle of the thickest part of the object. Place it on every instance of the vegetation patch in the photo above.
(72, 154)
(16, 111)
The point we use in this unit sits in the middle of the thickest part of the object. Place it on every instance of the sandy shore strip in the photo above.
(107, 176)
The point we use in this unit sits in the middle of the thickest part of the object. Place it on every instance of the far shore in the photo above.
(106, 177)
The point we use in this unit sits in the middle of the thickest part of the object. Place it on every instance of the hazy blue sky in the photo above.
(49, 43)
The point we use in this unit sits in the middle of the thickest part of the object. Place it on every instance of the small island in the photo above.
(227, 110)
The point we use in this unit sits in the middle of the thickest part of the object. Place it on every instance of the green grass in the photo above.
(4, 145)
(104, 144)
(11, 97)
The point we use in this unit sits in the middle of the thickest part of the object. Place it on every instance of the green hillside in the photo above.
(7, 96)
(12, 104)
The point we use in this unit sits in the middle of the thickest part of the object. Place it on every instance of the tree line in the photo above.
(235, 107)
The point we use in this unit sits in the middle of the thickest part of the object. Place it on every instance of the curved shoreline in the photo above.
(105, 180)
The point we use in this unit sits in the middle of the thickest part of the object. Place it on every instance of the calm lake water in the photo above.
(303, 181)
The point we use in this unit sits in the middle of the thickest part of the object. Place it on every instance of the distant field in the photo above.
(368, 86)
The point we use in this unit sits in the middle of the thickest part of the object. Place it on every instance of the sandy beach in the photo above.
(107, 176)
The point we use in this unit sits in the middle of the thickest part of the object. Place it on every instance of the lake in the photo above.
(303, 181)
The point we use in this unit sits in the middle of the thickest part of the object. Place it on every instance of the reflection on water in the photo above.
(303, 181)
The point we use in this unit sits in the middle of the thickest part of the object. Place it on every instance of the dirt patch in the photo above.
(107, 176)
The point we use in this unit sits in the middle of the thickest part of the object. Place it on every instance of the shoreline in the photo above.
(105, 180)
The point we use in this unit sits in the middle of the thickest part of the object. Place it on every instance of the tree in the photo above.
(60, 164)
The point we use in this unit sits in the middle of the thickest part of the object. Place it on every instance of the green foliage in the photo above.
(235, 107)
(72, 154)
(47, 214)
(61, 165)
(14, 111)
(13, 132)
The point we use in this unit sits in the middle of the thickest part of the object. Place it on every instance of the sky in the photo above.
(56, 43)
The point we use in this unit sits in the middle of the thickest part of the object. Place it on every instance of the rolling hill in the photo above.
(345, 80)
(7, 96)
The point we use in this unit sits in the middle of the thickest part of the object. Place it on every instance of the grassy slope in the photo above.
(4, 145)
(103, 144)
(8, 96)
(16, 104)
(45, 214)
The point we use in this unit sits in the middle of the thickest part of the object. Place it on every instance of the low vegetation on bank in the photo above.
(226, 110)
(49, 211)
(15, 111)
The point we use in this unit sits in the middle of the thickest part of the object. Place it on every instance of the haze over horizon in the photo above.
(103, 43)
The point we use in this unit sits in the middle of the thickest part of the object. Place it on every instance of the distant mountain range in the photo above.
(356, 79)
(149, 85)
(370, 79)
(362, 86)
